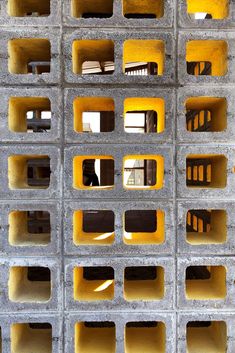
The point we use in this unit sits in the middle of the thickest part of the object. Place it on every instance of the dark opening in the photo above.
(201, 215)
(141, 121)
(39, 67)
(197, 273)
(39, 274)
(140, 221)
(141, 68)
(106, 172)
(201, 177)
(199, 324)
(140, 15)
(140, 273)
(98, 221)
(199, 68)
(38, 222)
(40, 326)
(96, 15)
(142, 324)
(38, 120)
(101, 324)
(98, 273)
(38, 172)
(198, 120)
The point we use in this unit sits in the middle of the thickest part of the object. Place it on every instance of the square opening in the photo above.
(29, 56)
(93, 227)
(209, 9)
(98, 336)
(93, 172)
(93, 57)
(144, 227)
(206, 336)
(93, 114)
(206, 57)
(29, 228)
(206, 227)
(31, 337)
(205, 282)
(29, 114)
(143, 9)
(144, 283)
(29, 172)
(91, 9)
(28, 8)
(143, 57)
(144, 115)
(206, 171)
(93, 283)
(29, 284)
(143, 172)
(145, 336)
(206, 114)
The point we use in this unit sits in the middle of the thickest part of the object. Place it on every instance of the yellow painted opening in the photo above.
(213, 51)
(104, 169)
(146, 104)
(135, 51)
(89, 104)
(210, 337)
(97, 285)
(134, 237)
(18, 169)
(143, 7)
(25, 50)
(28, 8)
(147, 337)
(217, 121)
(21, 289)
(217, 9)
(19, 234)
(81, 237)
(215, 175)
(201, 230)
(98, 50)
(18, 108)
(212, 288)
(28, 338)
(154, 172)
(144, 283)
(86, 9)
(99, 337)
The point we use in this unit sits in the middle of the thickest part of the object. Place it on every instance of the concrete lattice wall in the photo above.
(82, 319)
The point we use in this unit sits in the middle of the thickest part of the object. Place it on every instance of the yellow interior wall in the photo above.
(18, 232)
(85, 290)
(78, 172)
(218, 107)
(18, 107)
(90, 340)
(159, 171)
(22, 51)
(212, 339)
(20, 289)
(145, 339)
(144, 7)
(219, 9)
(19, 8)
(214, 51)
(145, 289)
(91, 50)
(218, 171)
(27, 340)
(217, 233)
(156, 104)
(17, 171)
(83, 238)
(142, 238)
(89, 104)
(213, 288)
(135, 50)
(79, 7)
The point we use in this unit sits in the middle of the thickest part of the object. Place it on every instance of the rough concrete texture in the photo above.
(160, 314)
